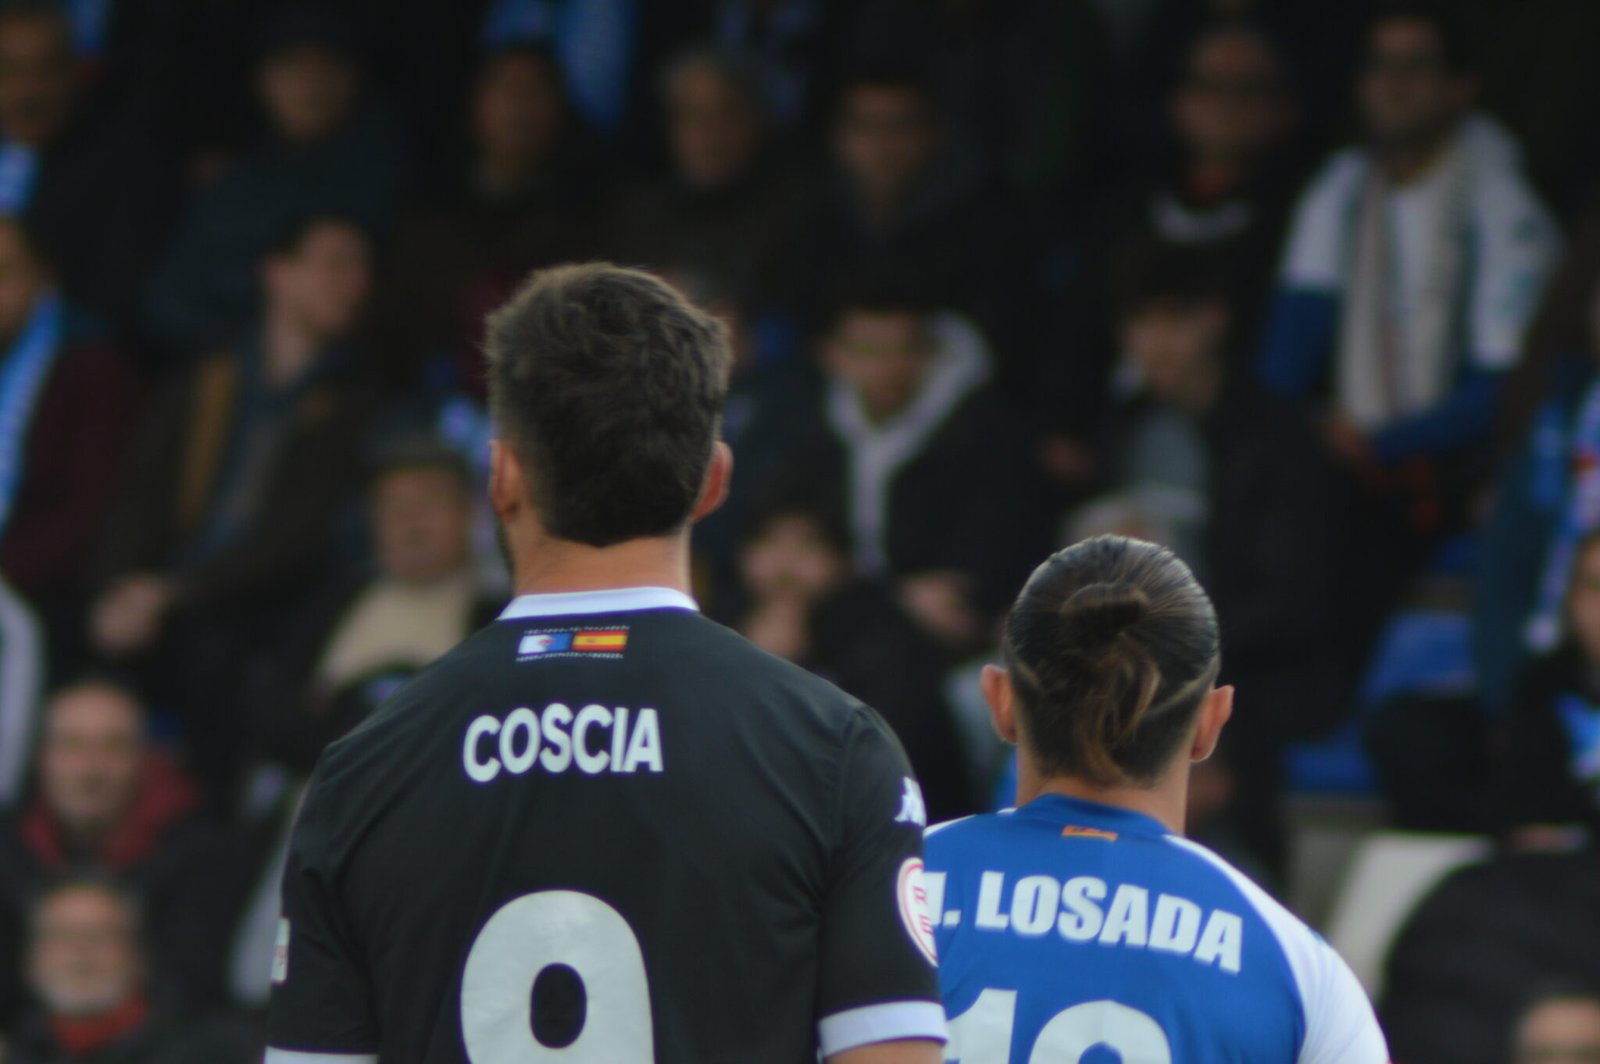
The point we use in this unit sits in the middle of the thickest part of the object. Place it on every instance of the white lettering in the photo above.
(523, 720)
(1221, 943)
(556, 741)
(1083, 917)
(589, 762)
(1128, 918)
(989, 889)
(619, 738)
(1175, 926)
(557, 756)
(1033, 906)
(479, 771)
(644, 748)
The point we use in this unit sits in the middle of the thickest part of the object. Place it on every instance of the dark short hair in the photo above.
(889, 75)
(1155, 272)
(793, 498)
(536, 53)
(1111, 646)
(609, 385)
(308, 24)
(416, 454)
(1449, 25)
(896, 288)
(290, 238)
(739, 71)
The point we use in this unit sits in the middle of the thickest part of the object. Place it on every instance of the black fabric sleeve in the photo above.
(322, 999)
(877, 978)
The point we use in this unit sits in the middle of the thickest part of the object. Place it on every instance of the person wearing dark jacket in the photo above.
(729, 204)
(927, 463)
(901, 195)
(90, 173)
(234, 492)
(1249, 499)
(530, 196)
(1549, 744)
(330, 150)
(109, 803)
(804, 603)
(71, 402)
(1461, 969)
(353, 646)
(87, 967)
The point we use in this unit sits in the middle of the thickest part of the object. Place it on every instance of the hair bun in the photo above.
(1095, 616)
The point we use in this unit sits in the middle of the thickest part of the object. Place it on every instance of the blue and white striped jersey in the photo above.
(1070, 931)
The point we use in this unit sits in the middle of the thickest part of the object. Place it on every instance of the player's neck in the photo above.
(555, 566)
(1166, 801)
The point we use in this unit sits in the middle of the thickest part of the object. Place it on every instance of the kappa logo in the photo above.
(912, 808)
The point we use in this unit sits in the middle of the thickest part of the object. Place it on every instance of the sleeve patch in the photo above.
(915, 911)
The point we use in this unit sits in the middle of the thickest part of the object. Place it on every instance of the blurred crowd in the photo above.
(1308, 290)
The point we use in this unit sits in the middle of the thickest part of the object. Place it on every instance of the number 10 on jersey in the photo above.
(982, 1034)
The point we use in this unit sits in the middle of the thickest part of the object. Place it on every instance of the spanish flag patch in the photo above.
(610, 642)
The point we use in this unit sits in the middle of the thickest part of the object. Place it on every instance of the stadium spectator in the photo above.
(796, 43)
(1016, 81)
(1414, 264)
(329, 150)
(805, 603)
(729, 204)
(110, 803)
(362, 639)
(88, 970)
(529, 196)
(1225, 190)
(1550, 742)
(93, 176)
(1251, 502)
(1229, 183)
(763, 419)
(236, 487)
(1320, 43)
(904, 199)
(1559, 1026)
(596, 40)
(1546, 498)
(1463, 964)
(906, 423)
(68, 403)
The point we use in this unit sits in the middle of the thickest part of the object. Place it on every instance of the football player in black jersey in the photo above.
(605, 830)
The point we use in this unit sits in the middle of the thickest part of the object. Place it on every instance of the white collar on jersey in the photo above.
(613, 600)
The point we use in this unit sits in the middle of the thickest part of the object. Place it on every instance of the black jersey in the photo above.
(606, 830)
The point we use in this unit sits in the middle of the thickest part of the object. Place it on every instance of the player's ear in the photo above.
(1002, 699)
(1214, 713)
(714, 490)
(507, 488)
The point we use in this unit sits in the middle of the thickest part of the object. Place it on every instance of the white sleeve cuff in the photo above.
(291, 1056)
(889, 1022)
